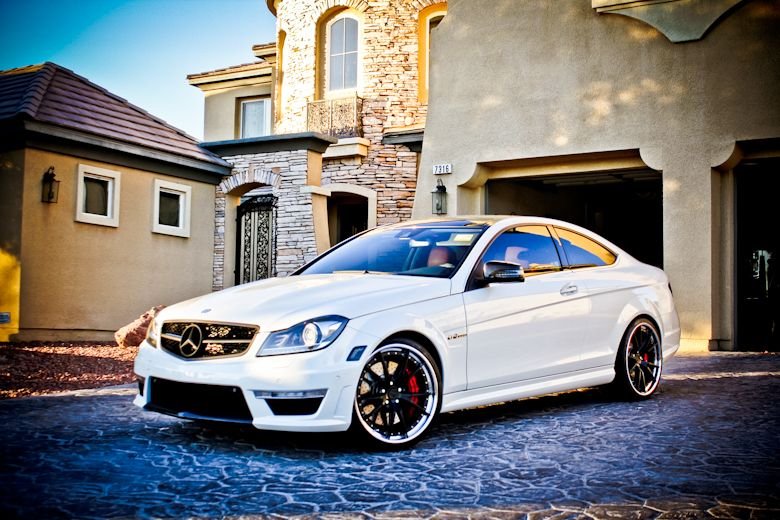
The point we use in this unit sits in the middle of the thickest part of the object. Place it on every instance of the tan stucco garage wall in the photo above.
(221, 118)
(83, 280)
(520, 80)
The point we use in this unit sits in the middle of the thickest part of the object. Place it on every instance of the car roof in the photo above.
(479, 220)
(504, 221)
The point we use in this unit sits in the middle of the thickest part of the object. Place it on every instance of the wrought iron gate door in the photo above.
(255, 239)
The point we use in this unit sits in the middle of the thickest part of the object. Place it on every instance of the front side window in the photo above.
(255, 118)
(171, 208)
(342, 54)
(426, 250)
(584, 252)
(531, 247)
(97, 199)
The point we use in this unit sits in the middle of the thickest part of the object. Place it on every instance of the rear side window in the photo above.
(584, 252)
(531, 247)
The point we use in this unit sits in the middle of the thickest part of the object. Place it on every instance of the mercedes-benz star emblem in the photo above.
(190, 341)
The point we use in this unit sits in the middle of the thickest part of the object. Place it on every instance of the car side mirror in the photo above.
(502, 272)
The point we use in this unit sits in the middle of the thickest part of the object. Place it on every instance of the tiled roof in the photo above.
(52, 94)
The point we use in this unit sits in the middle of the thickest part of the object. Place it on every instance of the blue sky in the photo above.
(141, 50)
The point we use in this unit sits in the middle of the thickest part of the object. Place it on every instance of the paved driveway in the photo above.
(707, 445)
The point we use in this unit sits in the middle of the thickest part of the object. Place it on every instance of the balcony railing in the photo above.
(336, 117)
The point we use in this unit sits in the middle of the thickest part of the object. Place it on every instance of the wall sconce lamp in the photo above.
(439, 198)
(51, 186)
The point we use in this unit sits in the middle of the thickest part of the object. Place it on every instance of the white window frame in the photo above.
(335, 94)
(185, 208)
(266, 116)
(112, 206)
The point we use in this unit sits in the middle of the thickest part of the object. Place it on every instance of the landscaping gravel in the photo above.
(40, 368)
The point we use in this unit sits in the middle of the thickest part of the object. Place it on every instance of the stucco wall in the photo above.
(84, 280)
(221, 114)
(558, 79)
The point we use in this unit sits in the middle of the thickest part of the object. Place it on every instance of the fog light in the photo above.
(295, 394)
(141, 383)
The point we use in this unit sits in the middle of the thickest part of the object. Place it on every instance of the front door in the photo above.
(524, 330)
(255, 240)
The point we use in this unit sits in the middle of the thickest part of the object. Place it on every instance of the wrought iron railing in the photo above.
(336, 117)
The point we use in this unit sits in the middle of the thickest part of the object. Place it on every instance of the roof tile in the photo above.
(49, 93)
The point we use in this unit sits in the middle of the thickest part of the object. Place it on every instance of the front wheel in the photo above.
(639, 361)
(398, 394)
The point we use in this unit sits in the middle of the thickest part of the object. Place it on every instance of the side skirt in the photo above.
(531, 388)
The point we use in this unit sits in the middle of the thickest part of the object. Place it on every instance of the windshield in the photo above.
(427, 250)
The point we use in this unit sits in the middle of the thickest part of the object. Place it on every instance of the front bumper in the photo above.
(260, 380)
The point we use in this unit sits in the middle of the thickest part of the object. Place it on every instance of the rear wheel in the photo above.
(398, 394)
(639, 361)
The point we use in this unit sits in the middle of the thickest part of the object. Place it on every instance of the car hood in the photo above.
(279, 303)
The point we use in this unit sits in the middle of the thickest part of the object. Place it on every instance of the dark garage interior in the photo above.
(625, 207)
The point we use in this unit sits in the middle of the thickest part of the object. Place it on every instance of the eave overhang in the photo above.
(19, 133)
(312, 141)
(412, 138)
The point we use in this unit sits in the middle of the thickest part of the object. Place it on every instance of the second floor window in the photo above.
(255, 117)
(342, 54)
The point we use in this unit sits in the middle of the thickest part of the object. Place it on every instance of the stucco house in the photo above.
(105, 210)
(323, 131)
(654, 123)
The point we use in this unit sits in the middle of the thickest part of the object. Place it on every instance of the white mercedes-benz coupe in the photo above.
(401, 323)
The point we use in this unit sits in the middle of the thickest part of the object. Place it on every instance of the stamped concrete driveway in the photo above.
(706, 446)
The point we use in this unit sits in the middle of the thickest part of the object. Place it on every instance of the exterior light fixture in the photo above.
(439, 198)
(51, 186)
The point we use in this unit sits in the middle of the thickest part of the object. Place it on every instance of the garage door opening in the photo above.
(758, 250)
(624, 207)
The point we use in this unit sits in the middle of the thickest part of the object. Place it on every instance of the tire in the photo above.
(398, 395)
(639, 361)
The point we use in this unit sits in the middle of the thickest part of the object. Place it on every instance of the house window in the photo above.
(97, 198)
(172, 206)
(429, 20)
(255, 117)
(342, 56)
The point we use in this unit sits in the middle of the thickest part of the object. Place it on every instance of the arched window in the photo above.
(342, 53)
(429, 19)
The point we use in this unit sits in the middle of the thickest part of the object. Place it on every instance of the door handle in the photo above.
(569, 289)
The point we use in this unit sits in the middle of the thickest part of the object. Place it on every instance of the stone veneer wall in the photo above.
(284, 173)
(389, 92)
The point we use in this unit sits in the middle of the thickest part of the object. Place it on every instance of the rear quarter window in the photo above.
(584, 252)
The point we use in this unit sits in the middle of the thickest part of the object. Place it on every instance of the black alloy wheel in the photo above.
(639, 361)
(398, 394)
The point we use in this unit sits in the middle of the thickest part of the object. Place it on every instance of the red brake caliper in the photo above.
(414, 387)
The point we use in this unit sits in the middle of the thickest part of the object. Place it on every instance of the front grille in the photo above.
(196, 401)
(213, 340)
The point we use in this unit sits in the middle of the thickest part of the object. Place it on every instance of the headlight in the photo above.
(310, 335)
(153, 334)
